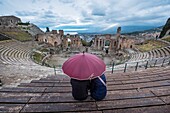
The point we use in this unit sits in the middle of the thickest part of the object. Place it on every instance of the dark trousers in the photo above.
(80, 89)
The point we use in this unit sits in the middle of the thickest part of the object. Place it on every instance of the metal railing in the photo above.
(134, 66)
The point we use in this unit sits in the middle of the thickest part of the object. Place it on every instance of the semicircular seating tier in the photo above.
(156, 53)
(15, 53)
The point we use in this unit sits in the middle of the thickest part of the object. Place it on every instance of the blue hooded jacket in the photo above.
(98, 90)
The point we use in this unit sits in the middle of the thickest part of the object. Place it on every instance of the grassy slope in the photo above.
(150, 45)
(19, 35)
(37, 57)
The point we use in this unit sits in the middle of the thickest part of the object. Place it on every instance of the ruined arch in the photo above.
(46, 40)
(120, 46)
(97, 42)
(55, 44)
(107, 42)
(131, 46)
(100, 42)
(69, 41)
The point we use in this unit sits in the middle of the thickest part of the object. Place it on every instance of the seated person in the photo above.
(80, 89)
(98, 88)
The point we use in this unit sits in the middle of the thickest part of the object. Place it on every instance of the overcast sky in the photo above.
(88, 15)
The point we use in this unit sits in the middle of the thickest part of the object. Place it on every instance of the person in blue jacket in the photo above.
(98, 88)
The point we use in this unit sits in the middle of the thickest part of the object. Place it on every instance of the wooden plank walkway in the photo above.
(137, 92)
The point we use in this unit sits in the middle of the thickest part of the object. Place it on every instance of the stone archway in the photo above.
(69, 41)
(120, 47)
(131, 46)
(46, 41)
(107, 43)
(55, 44)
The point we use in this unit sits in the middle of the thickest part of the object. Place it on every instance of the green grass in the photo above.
(150, 45)
(37, 57)
(44, 50)
(19, 35)
(167, 39)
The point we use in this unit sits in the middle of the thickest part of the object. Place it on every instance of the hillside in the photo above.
(153, 30)
(30, 28)
(18, 35)
(33, 30)
(165, 28)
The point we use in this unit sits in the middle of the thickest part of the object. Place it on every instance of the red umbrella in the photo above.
(84, 66)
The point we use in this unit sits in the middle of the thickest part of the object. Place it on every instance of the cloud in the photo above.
(36, 1)
(1, 3)
(73, 30)
(66, 1)
(46, 23)
(98, 8)
(110, 26)
(48, 15)
(98, 11)
(26, 13)
(88, 15)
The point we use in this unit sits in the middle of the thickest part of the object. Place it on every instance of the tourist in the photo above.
(98, 88)
(80, 88)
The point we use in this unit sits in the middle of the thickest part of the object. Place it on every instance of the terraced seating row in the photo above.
(133, 92)
(15, 53)
(157, 53)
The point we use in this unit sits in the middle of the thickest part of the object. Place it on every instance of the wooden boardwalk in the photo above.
(137, 92)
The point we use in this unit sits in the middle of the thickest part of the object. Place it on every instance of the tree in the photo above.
(84, 43)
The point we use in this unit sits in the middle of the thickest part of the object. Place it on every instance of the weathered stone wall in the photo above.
(61, 32)
(9, 21)
(72, 41)
(124, 42)
(50, 38)
(101, 42)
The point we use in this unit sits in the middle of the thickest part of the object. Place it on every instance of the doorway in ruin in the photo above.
(107, 45)
(131, 46)
(45, 40)
(55, 44)
(69, 43)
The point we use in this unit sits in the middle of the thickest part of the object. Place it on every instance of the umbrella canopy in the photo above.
(84, 66)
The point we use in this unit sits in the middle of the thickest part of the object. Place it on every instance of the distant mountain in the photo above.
(153, 30)
(124, 29)
(165, 28)
(128, 29)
